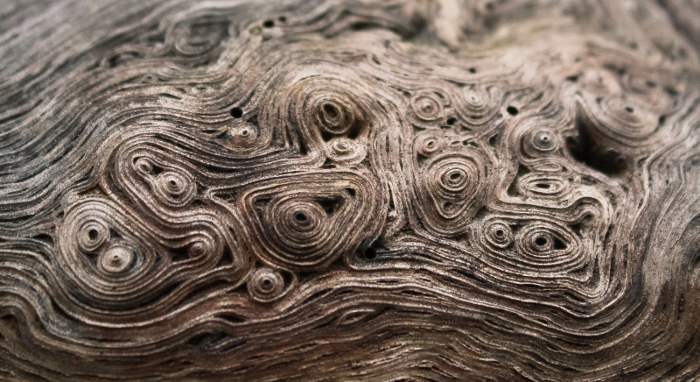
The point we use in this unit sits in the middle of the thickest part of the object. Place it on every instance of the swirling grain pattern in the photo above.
(366, 190)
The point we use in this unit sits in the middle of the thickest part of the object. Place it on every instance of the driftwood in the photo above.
(349, 191)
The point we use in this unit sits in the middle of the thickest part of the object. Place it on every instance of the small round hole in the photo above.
(92, 234)
(300, 216)
(268, 24)
(370, 253)
(236, 112)
(472, 70)
(282, 19)
(330, 110)
(629, 109)
(512, 110)
(454, 176)
(541, 241)
(500, 233)
(451, 121)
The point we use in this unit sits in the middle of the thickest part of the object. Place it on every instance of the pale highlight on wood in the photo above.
(453, 190)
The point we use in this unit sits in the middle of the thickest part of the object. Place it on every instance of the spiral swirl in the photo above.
(427, 106)
(451, 186)
(327, 107)
(92, 234)
(498, 234)
(266, 285)
(626, 119)
(547, 185)
(311, 219)
(622, 122)
(334, 115)
(117, 258)
(344, 150)
(174, 188)
(242, 137)
(123, 270)
(429, 143)
(102, 254)
(478, 104)
(545, 244)
(199, 36)
(540, 141)
(330, 114)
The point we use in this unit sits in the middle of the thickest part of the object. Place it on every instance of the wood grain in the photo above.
(321, 190)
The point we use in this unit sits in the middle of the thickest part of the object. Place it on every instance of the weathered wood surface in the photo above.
(349, 190)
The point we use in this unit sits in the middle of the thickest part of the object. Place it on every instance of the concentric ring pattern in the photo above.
(325, 190)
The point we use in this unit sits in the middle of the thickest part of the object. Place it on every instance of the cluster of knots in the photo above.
(350, 190)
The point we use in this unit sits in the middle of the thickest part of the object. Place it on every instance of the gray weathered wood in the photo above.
(349, 190)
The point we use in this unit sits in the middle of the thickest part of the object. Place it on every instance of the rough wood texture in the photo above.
(358, 191)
